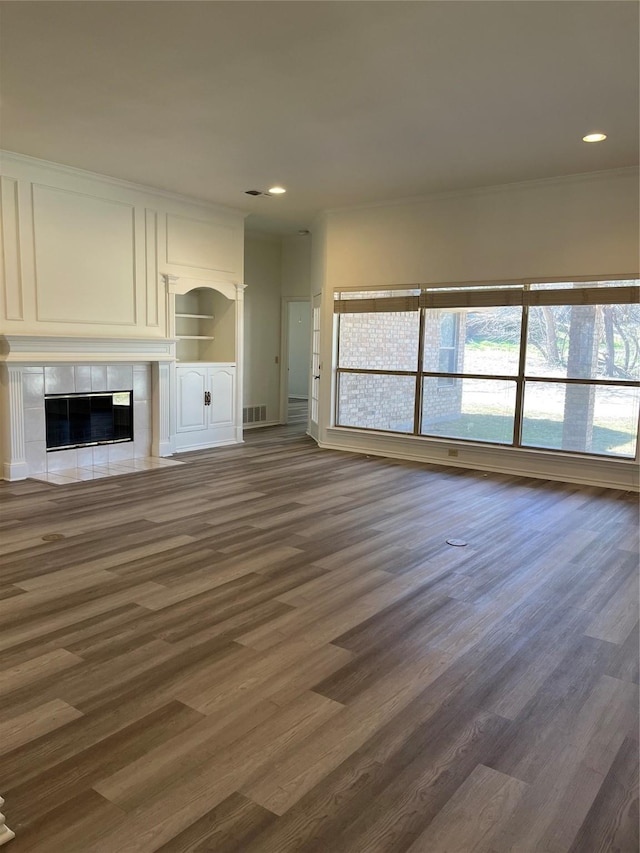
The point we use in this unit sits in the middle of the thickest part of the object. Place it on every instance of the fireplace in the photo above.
(84, 420)
(35, 367)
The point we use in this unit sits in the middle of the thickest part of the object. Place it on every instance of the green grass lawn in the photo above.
(536, 432)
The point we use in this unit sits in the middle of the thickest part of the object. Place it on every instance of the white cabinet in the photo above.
(206, 320)
(206, 405)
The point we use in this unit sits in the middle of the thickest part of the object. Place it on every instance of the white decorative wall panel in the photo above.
(85, 258)
(151, 267)
(203, 245)
(11, 267)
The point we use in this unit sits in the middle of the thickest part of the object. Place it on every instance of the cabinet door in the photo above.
(191, 385)
(222, 384)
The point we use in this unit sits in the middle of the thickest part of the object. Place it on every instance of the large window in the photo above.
(554, 366)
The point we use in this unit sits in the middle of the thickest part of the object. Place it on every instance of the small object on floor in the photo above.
(459, 543)
(5, 832)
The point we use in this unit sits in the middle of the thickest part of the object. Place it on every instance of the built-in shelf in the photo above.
(197, 316)
(204, 326)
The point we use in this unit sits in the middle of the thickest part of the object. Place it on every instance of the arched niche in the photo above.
(206, 319)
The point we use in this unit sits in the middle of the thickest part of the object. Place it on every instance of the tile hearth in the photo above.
(98, 472)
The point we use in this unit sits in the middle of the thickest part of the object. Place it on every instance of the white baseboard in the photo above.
(224, 442)
(566, 468)
(261, 425)
(15, 471)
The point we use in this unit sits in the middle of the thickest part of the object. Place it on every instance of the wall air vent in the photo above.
(254, 414)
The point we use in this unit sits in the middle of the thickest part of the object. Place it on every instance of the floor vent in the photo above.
(254, 414)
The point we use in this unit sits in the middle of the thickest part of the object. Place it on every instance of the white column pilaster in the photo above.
(15, 462)
(161, 402)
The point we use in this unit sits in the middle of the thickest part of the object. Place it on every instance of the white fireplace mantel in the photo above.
(40, 349)
(24, 354)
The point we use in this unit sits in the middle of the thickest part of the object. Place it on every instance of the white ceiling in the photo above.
(342, 102)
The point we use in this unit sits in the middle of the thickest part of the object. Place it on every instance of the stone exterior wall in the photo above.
(380, 341)
(441, 401)
(389, 341)
(376, 402)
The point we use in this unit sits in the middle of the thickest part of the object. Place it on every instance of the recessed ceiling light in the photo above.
(594, 137)
(277, 190)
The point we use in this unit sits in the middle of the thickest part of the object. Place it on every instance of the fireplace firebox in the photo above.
(78, 420)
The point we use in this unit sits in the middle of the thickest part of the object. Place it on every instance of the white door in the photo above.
(193, 427)
(314, 384)
(222, 382)
(191, 387)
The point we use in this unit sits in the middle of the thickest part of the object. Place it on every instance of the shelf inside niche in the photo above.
(197, 316)
(195, 337)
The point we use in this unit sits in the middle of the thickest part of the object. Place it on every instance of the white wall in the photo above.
(564, 227)
(296, 265)
(561, 228)
(83, 254)
(263, 271)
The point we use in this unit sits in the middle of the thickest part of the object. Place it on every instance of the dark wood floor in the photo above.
(272, 649)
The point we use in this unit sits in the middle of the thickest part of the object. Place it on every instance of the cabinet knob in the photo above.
(207, 398)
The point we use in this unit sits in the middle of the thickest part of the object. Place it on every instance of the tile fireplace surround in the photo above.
(35, 366)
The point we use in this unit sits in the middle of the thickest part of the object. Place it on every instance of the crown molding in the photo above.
(579, 177)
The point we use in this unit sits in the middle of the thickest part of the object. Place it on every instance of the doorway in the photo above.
(314, 409)
(295, 359)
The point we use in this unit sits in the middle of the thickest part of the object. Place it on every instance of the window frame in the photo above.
(445, 382)
(466, 295)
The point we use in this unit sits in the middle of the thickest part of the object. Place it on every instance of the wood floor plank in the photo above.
(73, 826)
(619, 617)
(269, 675)
(554, 806)
(70, 778)
(473, 815)
(169, 813)
(227, 828)
(25, 674)
(32, 724)
(279, 788)
(101, 604)
(612, 820)
(157, 770)
(271, 648)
